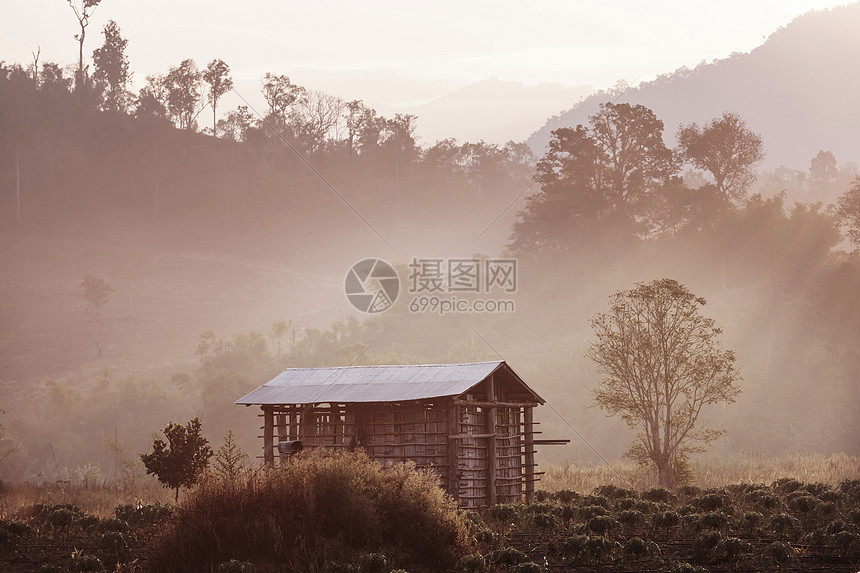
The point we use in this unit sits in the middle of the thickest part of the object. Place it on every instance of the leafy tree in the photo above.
(663, 363)
(230, 460)
(280, 93)
(823, 172)
(83, 10)
(96, 292)
(595, 178)
(182, 85)
(848, 212)
(217, 75)
(152, 98)
(726, 149)
(237, 123)
(181, 461)
(112, 72)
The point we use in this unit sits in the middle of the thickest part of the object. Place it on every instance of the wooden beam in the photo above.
(492, 463)
(453, 447)
(268, 436)
(492, 404)
(528, 423)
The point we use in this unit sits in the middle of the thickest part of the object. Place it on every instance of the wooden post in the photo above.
(268, 436)
(337, 426)
(453, 451)
(528, 428)
(280, 434)
(491, 443)
(294, 422)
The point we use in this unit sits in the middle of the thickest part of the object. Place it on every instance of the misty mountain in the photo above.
(799, 90)
(492, 110)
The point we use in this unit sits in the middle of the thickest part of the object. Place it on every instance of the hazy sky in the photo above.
(399, 53)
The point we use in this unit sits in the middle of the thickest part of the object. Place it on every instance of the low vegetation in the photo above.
(332, 513)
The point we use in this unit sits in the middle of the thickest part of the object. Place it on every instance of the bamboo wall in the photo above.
(481, 447)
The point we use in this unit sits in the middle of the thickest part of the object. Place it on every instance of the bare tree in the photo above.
(83, 10)
(314, 118)
(663, 363)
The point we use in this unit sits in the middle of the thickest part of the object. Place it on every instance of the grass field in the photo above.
(810, 468)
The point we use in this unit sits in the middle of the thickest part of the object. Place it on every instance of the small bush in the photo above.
(659, 494)
(507, 557)
(236, 566)
(373, 563)
(528, 567)
(474, 563)
(705, 545)
(778, 552)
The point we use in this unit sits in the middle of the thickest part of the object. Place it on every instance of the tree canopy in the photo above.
(726, 149)
(663, 363)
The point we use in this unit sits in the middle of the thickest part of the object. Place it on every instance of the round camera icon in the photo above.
(372, 285)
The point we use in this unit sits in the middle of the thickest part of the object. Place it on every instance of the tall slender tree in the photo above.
(182, 84)
(83, 10)
(217, 76)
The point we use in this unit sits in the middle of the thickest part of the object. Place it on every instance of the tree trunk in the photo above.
(665, 473)
(176, 497)
(17, 186)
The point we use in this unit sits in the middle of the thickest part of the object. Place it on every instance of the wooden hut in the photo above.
(471, 423)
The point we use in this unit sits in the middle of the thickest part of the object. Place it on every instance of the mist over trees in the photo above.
(612, 203)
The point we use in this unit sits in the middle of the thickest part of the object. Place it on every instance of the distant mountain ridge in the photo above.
(492, 110)
(800, 90)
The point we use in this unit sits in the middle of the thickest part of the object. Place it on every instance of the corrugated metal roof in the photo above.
(392, 383)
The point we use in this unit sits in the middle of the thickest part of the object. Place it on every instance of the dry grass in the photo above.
(322, 509)
(99, 500)
(811, 468)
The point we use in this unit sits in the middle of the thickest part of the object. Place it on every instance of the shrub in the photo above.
(507, 557)
(783, 525)
(778, 552)
(589, 511)
(236, 566)
(566, 496)
(705, 545)
(602, 525)
(631, 520)
(598, 500)
(474, 563)
(666, 521)
(659, 494)
(786, 485)
(528, 567)
(712, 502)
(683, 567)
(504, 513)
(322, 507)
(373, 563)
